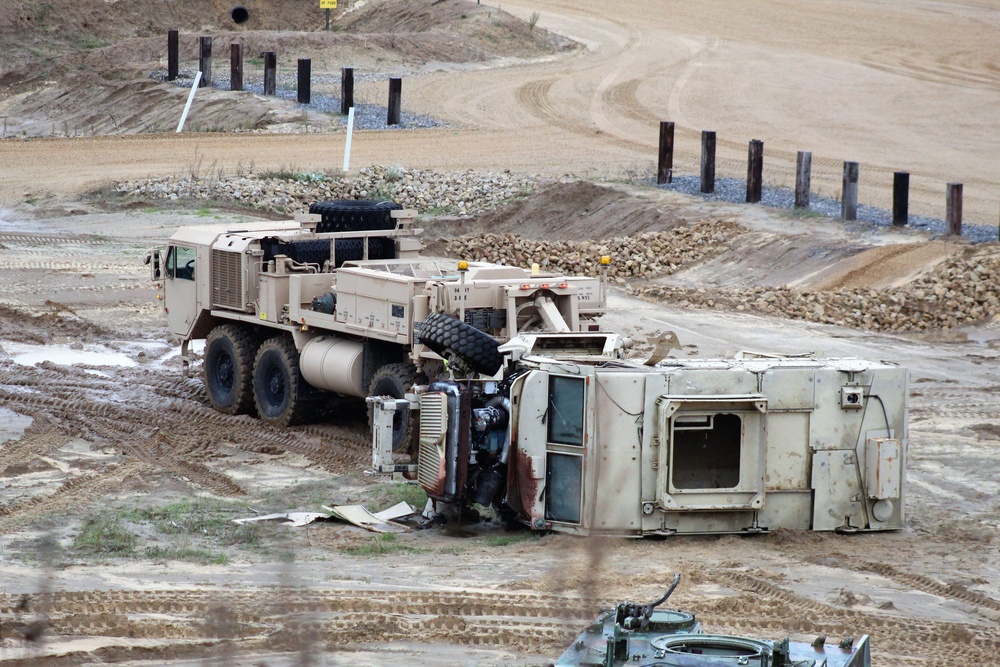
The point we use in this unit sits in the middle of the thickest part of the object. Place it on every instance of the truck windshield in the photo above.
(565, 418)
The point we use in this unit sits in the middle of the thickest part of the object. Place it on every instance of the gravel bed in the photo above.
(366, 116)
(959, 291)
(734, 190)
(455, 193)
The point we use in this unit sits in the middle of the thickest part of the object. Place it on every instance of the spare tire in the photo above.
(449, 336)
(354, 215)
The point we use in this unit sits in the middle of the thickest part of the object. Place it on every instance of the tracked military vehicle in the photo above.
(642, 635)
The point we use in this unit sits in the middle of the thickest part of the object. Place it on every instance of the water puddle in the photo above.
(12, 424)
(27, 354)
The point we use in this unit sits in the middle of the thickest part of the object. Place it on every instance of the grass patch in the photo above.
(105, 536)
(190, 555)
(297, 176)
(197, 531)
(511, 538)
(802, 213)
(380, 545)
(203, 517)
(310, 495)
(388, 494)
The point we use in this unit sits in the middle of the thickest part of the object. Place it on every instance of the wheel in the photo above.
(277, 383)
(395, 380)
(449, 336)
(228, 368)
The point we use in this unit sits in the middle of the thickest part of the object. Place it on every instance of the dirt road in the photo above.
(118, 482)
(894, 86)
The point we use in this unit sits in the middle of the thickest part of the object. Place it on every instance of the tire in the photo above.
(278, 384)
(228, 369)
(353, 215)
(449, 336)
(395, 380)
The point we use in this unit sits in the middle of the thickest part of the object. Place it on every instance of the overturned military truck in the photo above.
(570, 436)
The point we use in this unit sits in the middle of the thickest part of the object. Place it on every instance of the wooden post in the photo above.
(346, 89)
(205, 62)
(803, 178)
(755, 171)
(305, 72)
(849, 193)
(665, 159)
(707, 161)
(395, 101)
(953, 217)
(235, 66)
(173, 57)
(900, 198)
(270, 72)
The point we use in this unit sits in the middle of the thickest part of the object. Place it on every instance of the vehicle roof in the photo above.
(206, 234)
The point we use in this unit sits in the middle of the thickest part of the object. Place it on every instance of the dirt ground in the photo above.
(118, 481)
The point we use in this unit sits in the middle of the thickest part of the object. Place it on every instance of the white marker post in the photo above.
(187, 107)
(350, 131)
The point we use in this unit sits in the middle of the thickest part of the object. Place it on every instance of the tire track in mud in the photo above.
(195, 423)
(772, 607)
(72, 493)
(423, 602)
(103, 266)
(928, 585)
(48, 239)
(622, 100)
(523, 621)
(518, 621)
(178, 436)
(39, 439)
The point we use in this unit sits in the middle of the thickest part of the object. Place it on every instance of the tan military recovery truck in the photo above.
(572, 437)
(340, 300)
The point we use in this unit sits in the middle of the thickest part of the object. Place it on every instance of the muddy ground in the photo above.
(118, 482)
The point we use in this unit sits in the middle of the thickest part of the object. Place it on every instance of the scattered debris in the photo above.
(379, 522)
(296, 519)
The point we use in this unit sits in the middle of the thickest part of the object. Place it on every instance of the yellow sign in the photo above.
(327, 4)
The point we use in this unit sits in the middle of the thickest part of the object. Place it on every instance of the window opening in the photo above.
(565, 414)
(706, 451)
(180, 262)
(563, 487)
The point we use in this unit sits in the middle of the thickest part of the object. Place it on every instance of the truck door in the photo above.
(180, 288)
(553, 426)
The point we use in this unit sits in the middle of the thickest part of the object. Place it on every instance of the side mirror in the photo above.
(153, 260)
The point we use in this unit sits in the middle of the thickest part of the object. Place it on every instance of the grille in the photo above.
(433, 433)
(227, 280)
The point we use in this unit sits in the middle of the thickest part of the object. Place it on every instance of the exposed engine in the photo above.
(473, 425)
